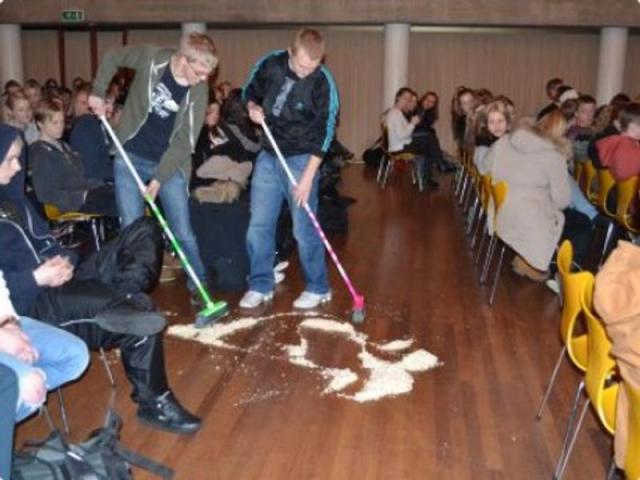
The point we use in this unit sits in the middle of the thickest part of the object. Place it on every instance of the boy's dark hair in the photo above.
(553, 84)
(586, 99)
(402, 91)
(629, 114)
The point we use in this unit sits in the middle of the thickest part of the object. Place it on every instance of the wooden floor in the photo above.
(471, 418)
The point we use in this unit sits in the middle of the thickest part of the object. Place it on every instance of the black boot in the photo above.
(165, 413)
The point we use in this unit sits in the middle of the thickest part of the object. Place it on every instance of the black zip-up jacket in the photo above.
(301, 112)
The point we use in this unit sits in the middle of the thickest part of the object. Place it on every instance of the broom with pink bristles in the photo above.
(357, 314)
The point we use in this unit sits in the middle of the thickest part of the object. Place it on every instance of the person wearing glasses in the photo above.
(159, 127)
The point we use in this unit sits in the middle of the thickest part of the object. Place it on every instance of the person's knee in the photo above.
(33, 390)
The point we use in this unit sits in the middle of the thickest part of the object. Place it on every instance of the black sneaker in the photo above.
(165, 413)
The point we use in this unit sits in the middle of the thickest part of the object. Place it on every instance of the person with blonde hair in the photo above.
(536, 214)
(159, 127)
(297, 97)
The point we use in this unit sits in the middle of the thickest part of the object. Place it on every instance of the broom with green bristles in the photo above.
(213, 310)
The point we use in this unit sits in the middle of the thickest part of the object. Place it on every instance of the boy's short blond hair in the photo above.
(311, 41)
(199, 47)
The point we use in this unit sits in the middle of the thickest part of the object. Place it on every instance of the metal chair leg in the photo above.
(552, 380)
(63, 411)
(387, 172)
(96, 235)
(488, 259)
(568, 433)
(107, 367)
(497, 275)
(607, 242)
(572, 443)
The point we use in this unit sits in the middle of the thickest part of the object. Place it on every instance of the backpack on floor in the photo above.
(100, 457)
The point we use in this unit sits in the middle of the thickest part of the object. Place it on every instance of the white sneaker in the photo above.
(280, 266)
(252, 299)
(278, 277)
(308, 300)
(552, 284)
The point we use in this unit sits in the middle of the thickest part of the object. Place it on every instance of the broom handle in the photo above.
(312, 216)
(156, 211)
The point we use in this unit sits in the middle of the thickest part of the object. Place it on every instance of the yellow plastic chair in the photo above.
(632, 461)
(600, 379)
(606, 182)
(498, 196)
(589, 172)
(394, 157)
(54, 215)
(627, 193)
(574, 340)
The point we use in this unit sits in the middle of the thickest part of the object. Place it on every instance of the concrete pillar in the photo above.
(194, 27)
(613, 55)
(396, 60)
(10, 54)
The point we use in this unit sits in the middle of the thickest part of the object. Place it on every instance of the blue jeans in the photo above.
(8, 401)
(174, 194)
(579, 202)
(62, 357)
(269, 188)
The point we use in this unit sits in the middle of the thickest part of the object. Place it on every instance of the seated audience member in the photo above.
(80, 101)
(400, 133)
(224, 153)
(463, 106)
(58, 172)
(552, 92)
(621, 153)
(33, 92)
(101, 300)
(606, 124)
(89, 138)
(8, 403)
(41, 356)
(496, 120)
(428, 112)
(616, 299)
(535, 214)
(21, 116)
(581, 132)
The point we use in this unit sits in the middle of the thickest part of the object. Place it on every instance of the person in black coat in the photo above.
(92, 298)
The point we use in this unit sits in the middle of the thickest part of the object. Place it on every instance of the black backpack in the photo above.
(100, 457)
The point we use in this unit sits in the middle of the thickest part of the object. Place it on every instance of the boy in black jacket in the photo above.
(298, 99)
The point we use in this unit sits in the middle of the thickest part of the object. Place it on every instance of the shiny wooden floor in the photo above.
(471, 418)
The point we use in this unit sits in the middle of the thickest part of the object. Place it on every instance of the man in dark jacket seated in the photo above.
(101, 300)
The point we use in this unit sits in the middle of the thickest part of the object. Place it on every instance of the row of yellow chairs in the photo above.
(481, 200)
(588, 348)
(597, 185)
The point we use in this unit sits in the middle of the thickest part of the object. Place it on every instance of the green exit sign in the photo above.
(72, 15)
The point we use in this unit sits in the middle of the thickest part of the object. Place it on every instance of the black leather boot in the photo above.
(166, 413)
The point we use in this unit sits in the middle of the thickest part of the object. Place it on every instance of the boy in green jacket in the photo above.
(160, 123)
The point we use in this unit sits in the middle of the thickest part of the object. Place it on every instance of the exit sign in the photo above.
(72, 15)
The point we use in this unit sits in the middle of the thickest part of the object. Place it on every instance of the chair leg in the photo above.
(571, 421)
(497, 275)
(483, 240)
(488, 259)
(63, 411)
(552, 380)
(96, 235)
(572, 443)
(381, 168)
(478, 228)
(612, 468)
(107, 367)
(387, 172)
(607, 242)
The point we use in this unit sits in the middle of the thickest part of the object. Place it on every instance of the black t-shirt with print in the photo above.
(152, 139)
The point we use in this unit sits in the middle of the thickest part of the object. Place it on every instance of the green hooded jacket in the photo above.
(149, 63)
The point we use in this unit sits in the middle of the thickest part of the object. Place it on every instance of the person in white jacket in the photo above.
(402, 135)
